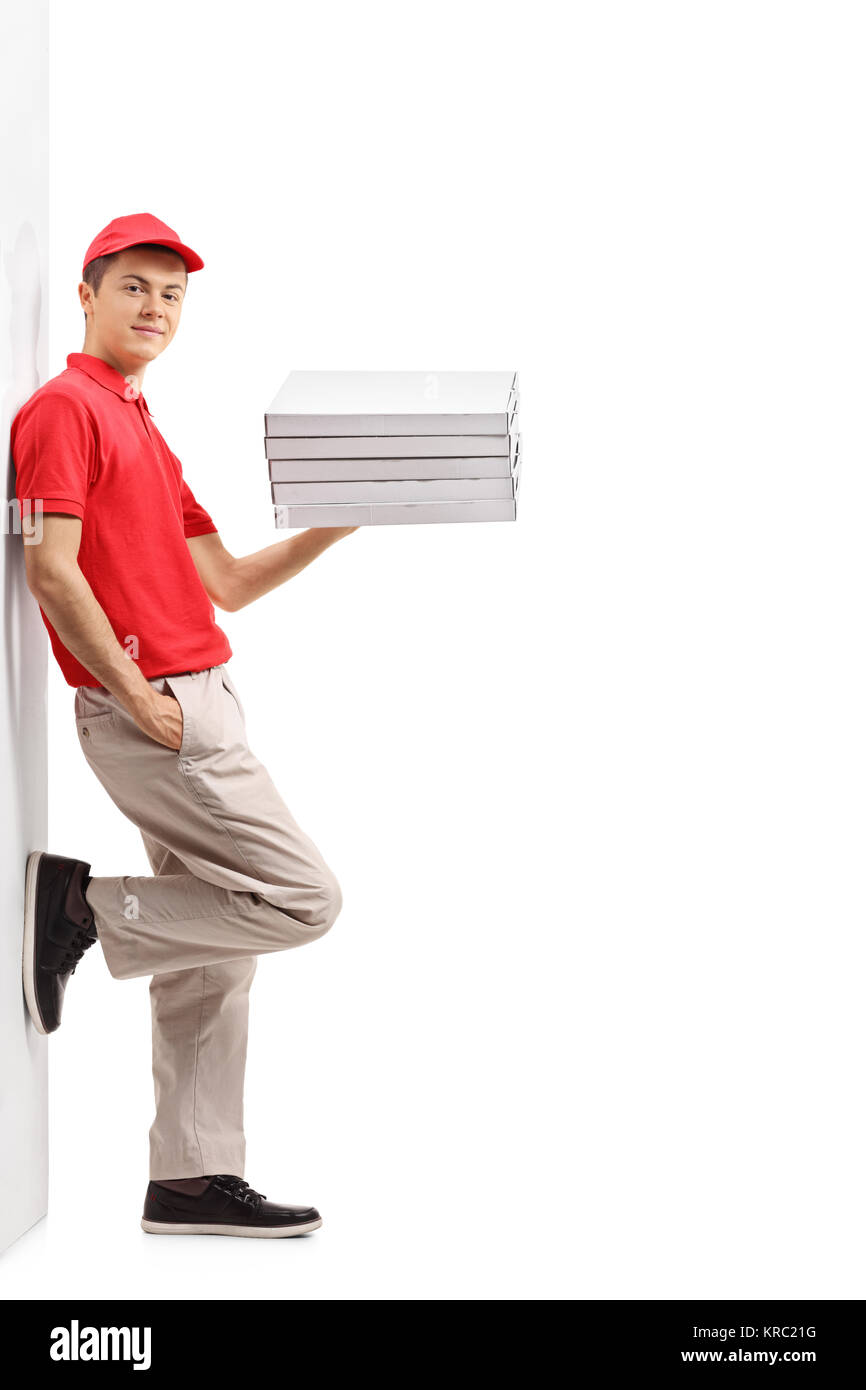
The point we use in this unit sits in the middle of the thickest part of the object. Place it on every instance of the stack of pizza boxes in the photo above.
(393, 448)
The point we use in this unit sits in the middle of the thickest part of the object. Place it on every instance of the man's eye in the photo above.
(171, 296)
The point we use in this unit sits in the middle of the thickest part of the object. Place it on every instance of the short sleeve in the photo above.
(196, 521)
(53, 447)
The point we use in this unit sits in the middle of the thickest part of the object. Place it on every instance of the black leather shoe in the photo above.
(58, 929)
(227, 1207)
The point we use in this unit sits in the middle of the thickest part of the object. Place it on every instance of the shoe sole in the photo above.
(204, 1228)
(29, 951)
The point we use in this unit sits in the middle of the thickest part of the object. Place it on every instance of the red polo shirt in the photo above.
(84, 443)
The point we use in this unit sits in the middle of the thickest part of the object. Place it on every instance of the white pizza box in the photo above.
(392, 403)
(396, 513)
(367, 469)
(394, 446)
(397, 490)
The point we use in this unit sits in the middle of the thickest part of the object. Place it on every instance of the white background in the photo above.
(590, 1023)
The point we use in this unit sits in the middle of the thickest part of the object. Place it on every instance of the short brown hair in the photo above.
(95, 269)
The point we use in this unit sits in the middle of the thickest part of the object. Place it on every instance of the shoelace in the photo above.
(237, 1187)
(78, 946)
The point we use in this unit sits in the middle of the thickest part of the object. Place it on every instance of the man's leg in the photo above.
(235, 877)
(199, 1019)
(254, 881)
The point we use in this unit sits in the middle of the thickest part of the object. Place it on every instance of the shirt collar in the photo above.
(106, 375)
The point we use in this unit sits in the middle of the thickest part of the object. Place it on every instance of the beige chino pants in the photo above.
(235, 877)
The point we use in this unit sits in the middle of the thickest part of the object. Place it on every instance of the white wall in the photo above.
(23, 728)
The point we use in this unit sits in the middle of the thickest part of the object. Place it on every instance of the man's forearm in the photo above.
(256, 574)
(80, 622)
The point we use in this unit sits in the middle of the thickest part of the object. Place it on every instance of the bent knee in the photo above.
(317, 912)
(330, 902)
(326, 899)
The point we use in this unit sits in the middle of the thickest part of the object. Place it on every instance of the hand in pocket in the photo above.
(163, 721)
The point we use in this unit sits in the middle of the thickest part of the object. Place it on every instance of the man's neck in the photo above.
(126, 369)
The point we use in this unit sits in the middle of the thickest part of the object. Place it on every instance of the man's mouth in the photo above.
(152, 332)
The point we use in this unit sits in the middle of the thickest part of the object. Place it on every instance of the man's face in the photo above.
(136, 313)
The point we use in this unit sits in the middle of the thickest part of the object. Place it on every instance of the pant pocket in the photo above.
(96, 732)
(229, 685)
(179, 688)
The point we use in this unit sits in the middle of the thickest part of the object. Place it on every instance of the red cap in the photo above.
(138, 227)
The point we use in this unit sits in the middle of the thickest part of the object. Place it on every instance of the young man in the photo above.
(126, 574)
